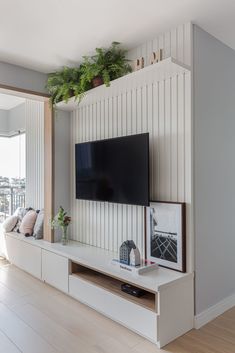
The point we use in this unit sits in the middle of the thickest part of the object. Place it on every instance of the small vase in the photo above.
(64, 239)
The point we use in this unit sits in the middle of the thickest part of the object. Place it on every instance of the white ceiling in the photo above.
(8, 102)
(46, 34)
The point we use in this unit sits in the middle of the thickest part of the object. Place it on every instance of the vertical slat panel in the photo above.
(181, 139)
(139, 110)
(167, 44)
(161, 141)
(176, 43)
(34, 115)
(167, 139)
(174, 138)
(115, 228)
(144, 109)
(155, 143)
(149, 51)
(180, 43)
(134, 111)
(187, 43)
(188, 177)
(72, 230)
(161, 108)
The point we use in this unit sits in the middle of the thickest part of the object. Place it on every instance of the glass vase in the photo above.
(64, 239)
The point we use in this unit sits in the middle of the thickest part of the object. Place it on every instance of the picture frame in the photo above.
(166, 234)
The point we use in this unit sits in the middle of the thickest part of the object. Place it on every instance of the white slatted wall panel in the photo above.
(175, 43)
(164, 110)
(34, 154)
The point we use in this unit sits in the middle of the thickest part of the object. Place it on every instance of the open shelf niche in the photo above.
(113, 285)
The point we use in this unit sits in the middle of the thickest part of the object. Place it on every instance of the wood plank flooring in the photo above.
(36, 318)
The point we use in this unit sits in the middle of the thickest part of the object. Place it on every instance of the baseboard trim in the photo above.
(214, 311)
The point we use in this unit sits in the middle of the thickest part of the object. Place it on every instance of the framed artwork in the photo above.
(165, 238)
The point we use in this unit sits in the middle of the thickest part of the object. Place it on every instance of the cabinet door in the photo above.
(55, 270)
(24, 255)
(135, 317)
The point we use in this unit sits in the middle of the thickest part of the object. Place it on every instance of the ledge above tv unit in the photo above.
(160, 71)
(101, 260)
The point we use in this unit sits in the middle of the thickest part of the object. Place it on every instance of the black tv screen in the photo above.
(114, 170)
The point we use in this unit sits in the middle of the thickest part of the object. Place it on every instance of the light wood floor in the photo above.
(35, 318)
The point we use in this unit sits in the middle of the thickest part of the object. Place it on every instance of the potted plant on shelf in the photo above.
(106, 65)
(62, 220)
(64, 84)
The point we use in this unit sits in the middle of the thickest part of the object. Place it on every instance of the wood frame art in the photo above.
(166, 234)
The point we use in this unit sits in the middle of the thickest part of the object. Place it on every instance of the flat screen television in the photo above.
(114, 170)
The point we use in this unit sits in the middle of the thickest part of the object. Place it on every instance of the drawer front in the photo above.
(55, 270)
(133, 316)
(24, 255)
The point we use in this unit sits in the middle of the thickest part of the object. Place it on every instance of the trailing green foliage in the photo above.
(107, 64)
(64, 84)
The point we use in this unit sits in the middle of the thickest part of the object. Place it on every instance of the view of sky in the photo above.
(12, 152)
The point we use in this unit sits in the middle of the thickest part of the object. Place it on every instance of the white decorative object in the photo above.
(144, 267)
(139, 64)
(135, 257)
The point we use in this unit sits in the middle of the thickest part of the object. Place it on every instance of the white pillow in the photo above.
(9, 223)
(27, 224)
(20, 212)
(38, 227)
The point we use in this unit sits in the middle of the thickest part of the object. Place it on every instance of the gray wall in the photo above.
(62, 163)
(19, 77)
(17, 118)
(12, 120)
(214, 169)
(3, 122)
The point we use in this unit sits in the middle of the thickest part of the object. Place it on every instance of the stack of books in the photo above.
(144, 267)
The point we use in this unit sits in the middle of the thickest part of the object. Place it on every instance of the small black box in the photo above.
(135, 291)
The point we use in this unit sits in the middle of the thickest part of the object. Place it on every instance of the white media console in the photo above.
(86, 273)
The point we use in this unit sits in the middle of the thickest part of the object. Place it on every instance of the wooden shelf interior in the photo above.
(113, 285)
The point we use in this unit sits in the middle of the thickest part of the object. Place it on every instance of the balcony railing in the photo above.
(11, 197)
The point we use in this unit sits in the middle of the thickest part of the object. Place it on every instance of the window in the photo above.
(12, 174)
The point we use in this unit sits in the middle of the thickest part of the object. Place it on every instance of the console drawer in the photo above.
(55, 270)
(131, 315)
(24, 255)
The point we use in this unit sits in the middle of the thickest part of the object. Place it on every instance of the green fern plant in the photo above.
(107, 64)
(64, 84)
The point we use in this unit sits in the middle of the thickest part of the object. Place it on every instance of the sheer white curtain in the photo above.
(34, 114)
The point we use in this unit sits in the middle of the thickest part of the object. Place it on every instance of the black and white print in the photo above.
(166, 234)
